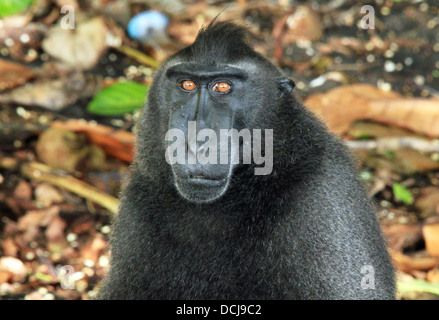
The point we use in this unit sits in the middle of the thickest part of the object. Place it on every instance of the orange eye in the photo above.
(222, 87)
(187, 85)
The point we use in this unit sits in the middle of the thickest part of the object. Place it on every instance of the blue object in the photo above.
(148, 26)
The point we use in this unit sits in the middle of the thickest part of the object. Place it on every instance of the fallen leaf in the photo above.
(303, 24)
(23, 191)
(34, 219)
(427, 201)
(13, 7)
(14, 266)
(64, 149)
(347, 46)
(46, 195)
(5, 276)
(368, 129)
(81, 47)
(408, 263)
(93, 249)
(53, 94)
(431, 237)
(9, 247)
(13, 75)
(402, 194)
(433, 276)
(406, 161)
(184, 32)
(118, 99)
(341, 106)
(402, 236)
(116, 143)
(55, 230)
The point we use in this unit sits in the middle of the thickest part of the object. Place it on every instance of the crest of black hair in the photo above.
(220, 41)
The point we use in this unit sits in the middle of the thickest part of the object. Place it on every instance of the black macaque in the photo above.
(306, 230)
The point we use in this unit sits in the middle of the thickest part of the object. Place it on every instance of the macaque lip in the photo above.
(204, 181)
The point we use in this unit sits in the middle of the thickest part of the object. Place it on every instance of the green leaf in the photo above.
(118, 99)
(419, 286)
(402, 193)
(389, 154)
(42, 276)
(9, 7)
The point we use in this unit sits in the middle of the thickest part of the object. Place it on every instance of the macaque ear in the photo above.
(286, 86)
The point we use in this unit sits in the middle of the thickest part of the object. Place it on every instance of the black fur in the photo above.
(303, 232)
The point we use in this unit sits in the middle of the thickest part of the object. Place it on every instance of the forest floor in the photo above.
(65, 150)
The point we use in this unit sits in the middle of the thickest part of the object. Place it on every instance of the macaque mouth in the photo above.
(200, 188)
(205, 181)
(202, 177)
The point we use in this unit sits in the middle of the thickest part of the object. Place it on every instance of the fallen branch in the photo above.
(139, 56)
(41, 172)
(396, 143)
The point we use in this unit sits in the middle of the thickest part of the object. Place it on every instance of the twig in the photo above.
(396, 143)
(41, 172)
(138, 56)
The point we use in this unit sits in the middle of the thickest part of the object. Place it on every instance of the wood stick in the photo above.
(41, 172)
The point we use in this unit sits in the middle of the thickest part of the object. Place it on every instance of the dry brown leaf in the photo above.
(433, 276)
(427, 200)
(431, 237)
(14, 266)
(303, 24)
(46, 195)
(116, 143)
(82, 225)
(405, 161)
(93, 250)
(13, 27)
(9, 247)
(13, 75)
(184, 32)
(37, 218)
(81, 47)
(401, 236)
(5, 276)
(64, 149)
(53, 94)
(23, 191)
(408, 263)
(340, 107)
(55, 230)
